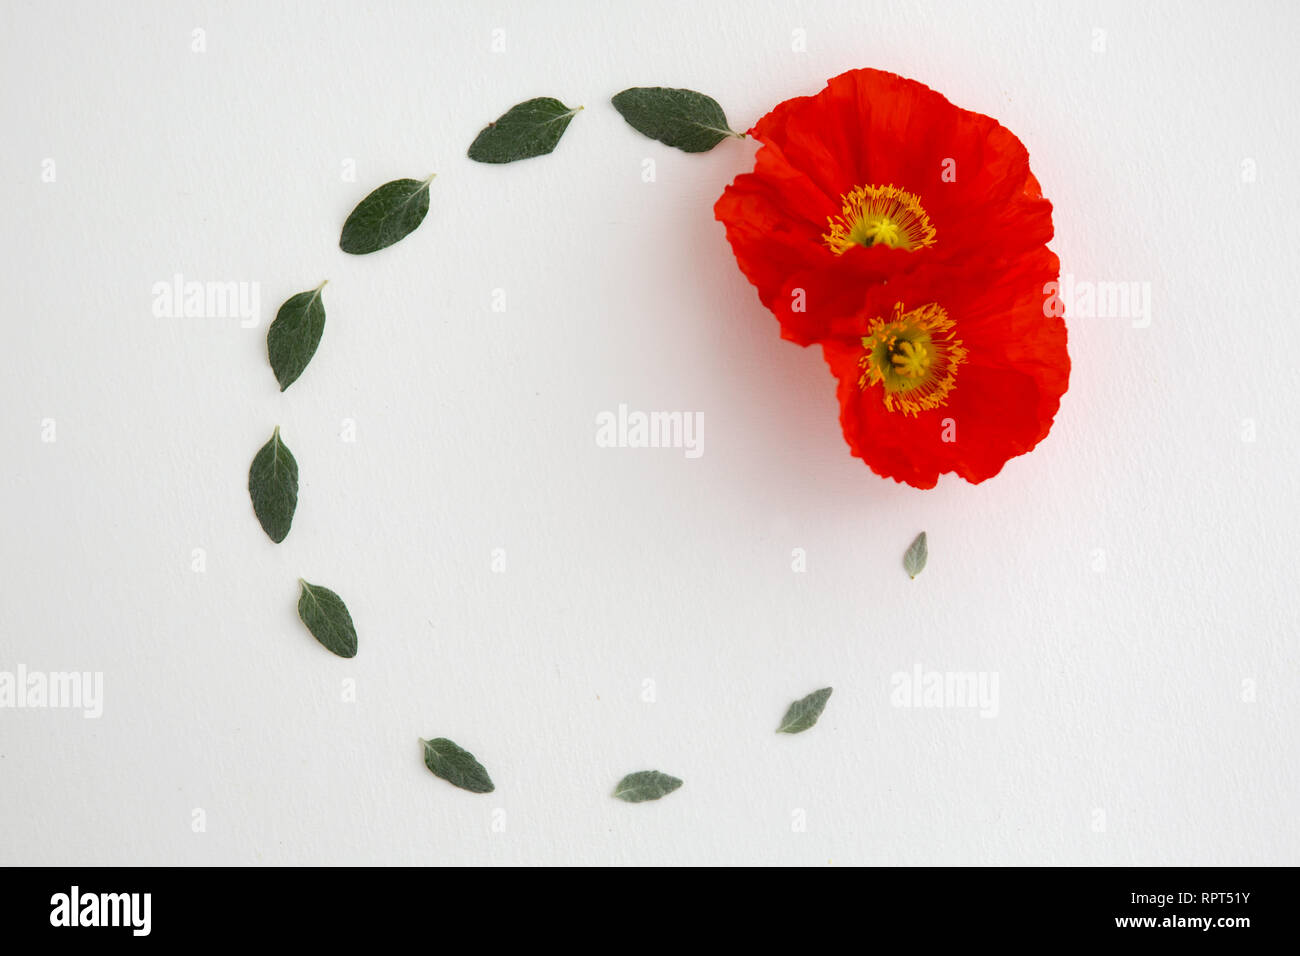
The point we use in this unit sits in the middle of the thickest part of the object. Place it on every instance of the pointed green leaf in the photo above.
(458, 767)
(388, 214)
(327, 617)
(292, 338)
(645, 785)
(689, 121)
(532, 128)
(804, 713)
(273, 486)
(918, 552)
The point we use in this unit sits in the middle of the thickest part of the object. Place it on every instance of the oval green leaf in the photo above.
(456, 765)
(531, 128)
(918, 552)
(683, 119)
(645, 785)
(292, 339)
(327, 617)
(388, 214)
(803, 713)
(273, 486)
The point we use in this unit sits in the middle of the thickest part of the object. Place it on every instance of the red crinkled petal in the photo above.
(869, 127)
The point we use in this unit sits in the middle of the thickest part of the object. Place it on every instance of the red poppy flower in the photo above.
(873, 176)
(908, 238)
(948, 370)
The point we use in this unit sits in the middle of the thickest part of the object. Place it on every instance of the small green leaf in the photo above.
(645, 785)
(327, 617)
(273, 486)
(458, 767)
(689, 121)
(388, 214)
(292, 338)
(804, 713)
(532, 128)
(918, 552)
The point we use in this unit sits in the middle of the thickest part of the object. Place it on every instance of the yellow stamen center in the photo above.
(879, 214)
(914, 357)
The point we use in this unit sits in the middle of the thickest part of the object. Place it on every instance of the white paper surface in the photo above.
(1131, 583)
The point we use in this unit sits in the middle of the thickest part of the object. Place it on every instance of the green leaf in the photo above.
(273, 486)
(292, 338)
(455, 765)
(327, 617)
(388, 214)
(804, 713)
(918, 552)
(532, 128)
(689, 121)
(645, 785)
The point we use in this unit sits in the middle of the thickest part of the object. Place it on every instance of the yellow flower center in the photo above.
(914, 357)
(879, 214)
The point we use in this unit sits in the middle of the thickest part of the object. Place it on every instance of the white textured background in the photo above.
(1129, 582)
